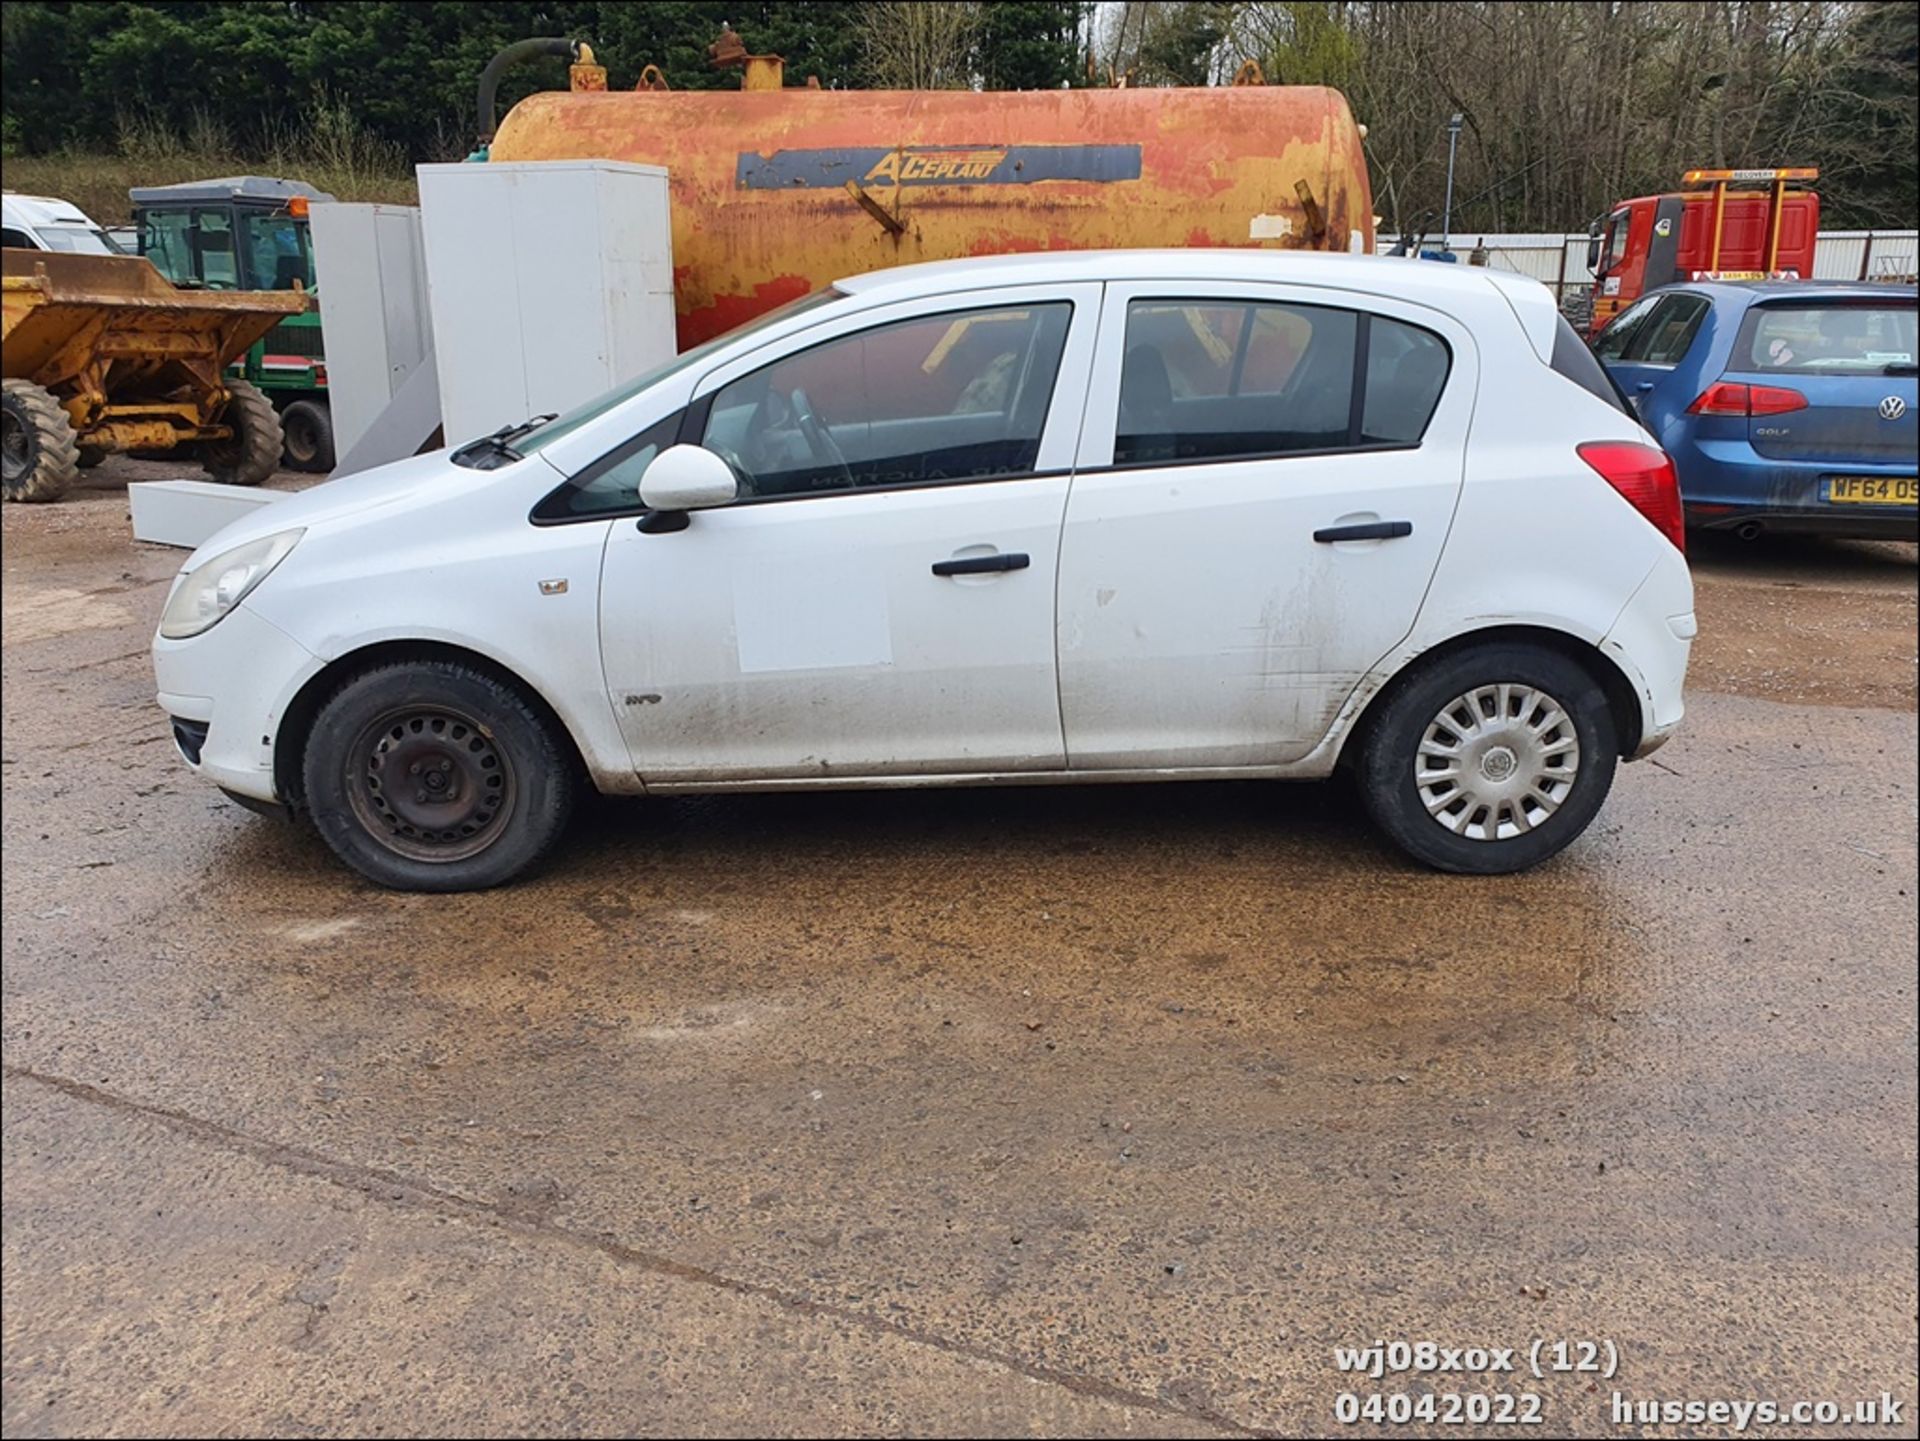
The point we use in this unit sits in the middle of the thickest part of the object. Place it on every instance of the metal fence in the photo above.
(1560, 261)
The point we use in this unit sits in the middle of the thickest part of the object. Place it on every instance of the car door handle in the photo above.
(982, 564)
(1371, 530)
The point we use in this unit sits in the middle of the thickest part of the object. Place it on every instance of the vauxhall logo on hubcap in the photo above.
(1892, 408)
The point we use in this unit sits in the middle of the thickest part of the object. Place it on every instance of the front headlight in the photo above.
(216, 586)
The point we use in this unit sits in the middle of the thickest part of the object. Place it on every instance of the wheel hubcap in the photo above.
(1497, 762)
(429, 783)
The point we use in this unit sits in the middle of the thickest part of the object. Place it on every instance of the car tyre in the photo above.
(1490, 760)
(434, 776)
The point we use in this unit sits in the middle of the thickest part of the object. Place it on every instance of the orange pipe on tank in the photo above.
(763, 210)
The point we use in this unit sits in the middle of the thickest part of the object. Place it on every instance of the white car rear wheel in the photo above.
(1491, 759)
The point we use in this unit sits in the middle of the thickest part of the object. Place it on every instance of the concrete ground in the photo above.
(1057, 1111)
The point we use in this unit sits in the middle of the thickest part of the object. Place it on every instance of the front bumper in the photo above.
(228, 689)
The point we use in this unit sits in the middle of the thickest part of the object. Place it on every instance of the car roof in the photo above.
(1384, 274)
(1442, 287)
(227, 187)
(51, 207)
(1755, 292)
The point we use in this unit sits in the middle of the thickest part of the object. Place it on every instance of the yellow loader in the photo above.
(101, 354)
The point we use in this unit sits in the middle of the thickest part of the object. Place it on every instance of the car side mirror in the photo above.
(687, 477)
(1593, 249)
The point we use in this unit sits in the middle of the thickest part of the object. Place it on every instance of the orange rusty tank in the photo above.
(778, 192)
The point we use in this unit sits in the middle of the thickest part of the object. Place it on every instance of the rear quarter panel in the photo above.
(1539, 539)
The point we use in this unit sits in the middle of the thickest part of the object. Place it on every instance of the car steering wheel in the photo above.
(819, 439)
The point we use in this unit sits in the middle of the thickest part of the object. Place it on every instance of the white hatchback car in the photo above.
(1119, 516)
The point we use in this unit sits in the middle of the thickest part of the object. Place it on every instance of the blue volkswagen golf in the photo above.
(1786, 405)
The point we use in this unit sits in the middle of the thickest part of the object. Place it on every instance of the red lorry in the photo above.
(1706, 230)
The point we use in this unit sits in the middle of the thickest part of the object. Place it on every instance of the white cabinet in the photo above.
(550, 282)
(372, 283)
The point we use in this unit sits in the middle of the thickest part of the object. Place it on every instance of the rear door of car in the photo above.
(1265, 481)
(1642, 347)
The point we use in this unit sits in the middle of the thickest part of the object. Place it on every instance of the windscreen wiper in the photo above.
(490, 452)
(1900, 367)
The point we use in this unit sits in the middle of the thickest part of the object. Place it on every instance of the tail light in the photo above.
(1727, 397)
(1646, 478)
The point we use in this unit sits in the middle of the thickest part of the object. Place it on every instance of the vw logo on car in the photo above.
(1892, 408)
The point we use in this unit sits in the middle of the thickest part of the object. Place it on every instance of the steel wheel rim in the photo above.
(1497, 762)
(16, 447)
(430, 783)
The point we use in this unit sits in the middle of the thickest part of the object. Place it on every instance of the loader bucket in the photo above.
(110, 333)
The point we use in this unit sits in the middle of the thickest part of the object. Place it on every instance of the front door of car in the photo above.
(1265, 481)
(878, 600)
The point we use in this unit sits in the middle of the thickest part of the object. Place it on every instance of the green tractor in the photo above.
(250, 232)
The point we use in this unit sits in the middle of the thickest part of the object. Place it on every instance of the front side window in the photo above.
(1618, 229)
(937, 399)
(1860, 338)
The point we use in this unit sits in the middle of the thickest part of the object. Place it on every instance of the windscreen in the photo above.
(76, 240)
(1858, 338)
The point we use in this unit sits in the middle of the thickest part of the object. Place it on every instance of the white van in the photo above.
(39, 222)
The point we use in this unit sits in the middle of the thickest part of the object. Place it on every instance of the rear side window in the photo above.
(1219, 380)
(1657, 331)
(1572, 359)
(1861, 339)
(1210, 380)
(1671, 334)
(1406, 371)
(1624, 329)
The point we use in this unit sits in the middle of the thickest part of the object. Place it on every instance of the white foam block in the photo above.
(187, 512)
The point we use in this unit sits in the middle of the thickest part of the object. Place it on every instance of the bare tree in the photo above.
(921, 46)
(1570, 105)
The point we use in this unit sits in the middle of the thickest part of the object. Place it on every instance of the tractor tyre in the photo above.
(39, 455)
(252, 452)
(90, 456)
(309, 428)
